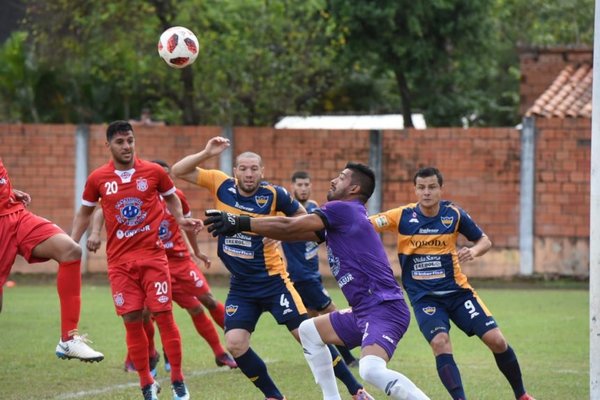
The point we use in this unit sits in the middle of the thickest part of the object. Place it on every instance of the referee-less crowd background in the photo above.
(482, 171)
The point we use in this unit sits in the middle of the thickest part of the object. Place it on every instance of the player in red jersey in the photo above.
(37, 239)
(137, 265)
(190, 288)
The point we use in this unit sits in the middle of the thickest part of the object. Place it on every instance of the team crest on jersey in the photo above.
(163, 299)
(429, 310)
(141, 184)
(261, 200)
(130, 211)
(164, 233)
(3, 181)
(119, 300)
(413, 219)
(447, 221)
(231, 309)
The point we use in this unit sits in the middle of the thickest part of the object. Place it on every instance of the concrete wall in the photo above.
(481, 167)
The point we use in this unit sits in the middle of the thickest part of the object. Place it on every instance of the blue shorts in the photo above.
(383, 325)
(313, 294)
(243, 311)
(465, 309)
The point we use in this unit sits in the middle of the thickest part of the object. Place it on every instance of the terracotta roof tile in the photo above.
(570, 95)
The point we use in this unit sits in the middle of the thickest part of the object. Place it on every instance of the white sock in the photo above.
(374, 370)
(319, 359)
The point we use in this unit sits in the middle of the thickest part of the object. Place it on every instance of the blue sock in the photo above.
(346, 354)
(509, 365)
(342, 372)
(450, 376)
(255, 369)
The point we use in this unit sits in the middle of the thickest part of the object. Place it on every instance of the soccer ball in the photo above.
(178, 46)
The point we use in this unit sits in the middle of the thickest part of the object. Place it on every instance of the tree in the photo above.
(258, 59)
(430, 46)
(262, 59)
(454, 60)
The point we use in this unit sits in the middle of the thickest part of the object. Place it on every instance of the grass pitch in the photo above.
(548, 328)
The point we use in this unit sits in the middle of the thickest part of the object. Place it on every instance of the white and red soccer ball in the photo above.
(178, 46)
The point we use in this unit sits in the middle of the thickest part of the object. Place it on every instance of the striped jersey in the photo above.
(427, 247)
(256, 269)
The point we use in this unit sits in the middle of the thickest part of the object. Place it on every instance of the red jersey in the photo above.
(8, 202)
(169, 231)
(131, 207)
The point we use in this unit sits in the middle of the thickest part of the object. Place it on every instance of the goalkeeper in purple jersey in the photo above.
(303, 263)
(438, 290)
(379, 316)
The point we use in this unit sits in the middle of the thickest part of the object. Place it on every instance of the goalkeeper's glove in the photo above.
(224, 223)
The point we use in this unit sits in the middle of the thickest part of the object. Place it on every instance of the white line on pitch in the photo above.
(86, 393)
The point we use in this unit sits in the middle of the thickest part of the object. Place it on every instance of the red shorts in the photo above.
(188, 282)
(20, 233)
(141, 282)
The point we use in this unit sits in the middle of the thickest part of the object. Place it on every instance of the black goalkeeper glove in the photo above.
(224, 223)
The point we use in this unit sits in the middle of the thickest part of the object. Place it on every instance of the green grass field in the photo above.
(548, 328)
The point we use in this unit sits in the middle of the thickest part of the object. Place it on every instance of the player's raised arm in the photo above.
(304, 227)
(186, 167)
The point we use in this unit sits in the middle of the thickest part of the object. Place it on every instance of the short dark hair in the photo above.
(364, 177)
(116, 127)
(426, 172)
(300, 175)
(162, 163)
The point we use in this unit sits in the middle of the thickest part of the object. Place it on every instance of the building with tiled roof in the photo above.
(556, 82)
(570, 95)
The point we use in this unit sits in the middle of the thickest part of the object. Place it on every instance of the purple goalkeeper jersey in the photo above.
(356, 255)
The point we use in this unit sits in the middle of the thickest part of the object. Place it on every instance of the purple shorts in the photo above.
(384, 325)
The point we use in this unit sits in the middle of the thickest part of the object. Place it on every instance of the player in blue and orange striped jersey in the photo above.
(438, 290)
(259, 280)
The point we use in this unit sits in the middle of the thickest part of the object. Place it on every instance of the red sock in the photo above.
(68, 285)
(149, 329)
(218, 314)
(171, 341)
(137, 350)
(207, 330)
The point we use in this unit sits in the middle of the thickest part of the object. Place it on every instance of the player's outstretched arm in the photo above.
(192, 245)
(187, 224)
(186, 167)
(303, 227)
